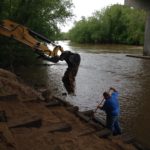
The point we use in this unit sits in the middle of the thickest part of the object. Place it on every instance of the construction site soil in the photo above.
(36, 120)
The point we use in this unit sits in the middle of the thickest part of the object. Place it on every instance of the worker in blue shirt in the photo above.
(111, 107)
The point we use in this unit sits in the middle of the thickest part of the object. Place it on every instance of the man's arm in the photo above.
(113, 92)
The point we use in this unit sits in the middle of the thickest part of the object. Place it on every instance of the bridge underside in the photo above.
(143, 4)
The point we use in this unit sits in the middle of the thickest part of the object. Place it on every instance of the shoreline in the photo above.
(28, 116)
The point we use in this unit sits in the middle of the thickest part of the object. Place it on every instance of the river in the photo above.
(103, 66)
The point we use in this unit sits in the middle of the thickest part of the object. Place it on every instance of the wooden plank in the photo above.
(88, 112)
(33, 100)
(83, 117)
(89, 120)
(26, 121)
(53, 103)
(8, 97)
(104, 133)
(73, 109)
(88, 131)
(63, 102)
(140, 146)
(100, 121)
(60, 127)
(139, 56)
(95, 125)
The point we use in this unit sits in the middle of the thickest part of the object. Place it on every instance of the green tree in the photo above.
(42, 16)
(81, 32)
(114, 24)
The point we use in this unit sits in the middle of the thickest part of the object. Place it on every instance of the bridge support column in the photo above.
(145, 5)
(146, 51)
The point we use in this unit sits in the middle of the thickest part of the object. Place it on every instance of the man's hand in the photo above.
(112, 89)
(99, 107)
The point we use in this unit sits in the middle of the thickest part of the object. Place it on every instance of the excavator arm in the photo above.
(28, 37)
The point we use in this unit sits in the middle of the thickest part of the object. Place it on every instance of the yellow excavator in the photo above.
(30, 38)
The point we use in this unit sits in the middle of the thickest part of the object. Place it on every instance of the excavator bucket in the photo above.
(73, 62)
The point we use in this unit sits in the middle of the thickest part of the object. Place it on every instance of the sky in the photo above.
(86, 8)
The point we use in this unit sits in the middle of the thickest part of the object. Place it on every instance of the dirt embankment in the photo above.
(28, 121)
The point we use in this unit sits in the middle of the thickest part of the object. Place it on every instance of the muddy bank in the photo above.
(37, 120)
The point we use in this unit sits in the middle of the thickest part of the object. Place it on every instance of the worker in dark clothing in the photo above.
(73, 62)
(111, 107)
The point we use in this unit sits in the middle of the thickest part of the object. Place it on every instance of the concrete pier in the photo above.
(143, 4)
(146, 51)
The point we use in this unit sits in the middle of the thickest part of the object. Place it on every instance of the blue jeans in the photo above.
(112, 123)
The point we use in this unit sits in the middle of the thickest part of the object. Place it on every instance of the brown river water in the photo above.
(103, 66)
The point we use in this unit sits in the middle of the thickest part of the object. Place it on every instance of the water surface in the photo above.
(103, 66)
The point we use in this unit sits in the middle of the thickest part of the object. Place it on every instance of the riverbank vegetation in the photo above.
(42, 16)
(114, 24)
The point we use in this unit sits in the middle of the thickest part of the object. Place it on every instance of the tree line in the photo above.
(114, 24)
(42, 16)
